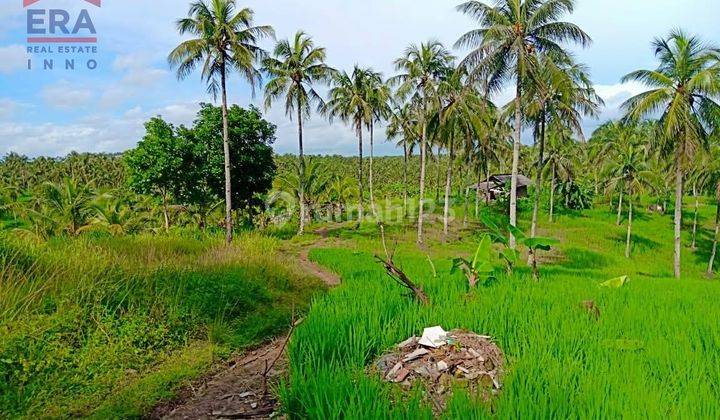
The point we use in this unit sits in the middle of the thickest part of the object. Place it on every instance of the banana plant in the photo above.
(509, 256)
(533, 244)
(480, 269)
(512, 256)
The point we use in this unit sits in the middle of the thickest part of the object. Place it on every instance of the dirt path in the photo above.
(236, 390)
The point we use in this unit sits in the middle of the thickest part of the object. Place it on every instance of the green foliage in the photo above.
(251, 157)
(575, 196)
(91, 321)
(561, 361)
(615, 283)
(163, 163)
(480, 269)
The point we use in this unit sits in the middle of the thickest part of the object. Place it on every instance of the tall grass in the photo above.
(83, 319)
(654, 352)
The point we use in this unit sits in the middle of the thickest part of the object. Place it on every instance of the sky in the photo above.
(53, 112)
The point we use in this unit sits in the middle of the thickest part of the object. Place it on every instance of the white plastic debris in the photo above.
(433, 337)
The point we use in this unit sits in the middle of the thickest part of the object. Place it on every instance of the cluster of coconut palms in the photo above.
(437, 100)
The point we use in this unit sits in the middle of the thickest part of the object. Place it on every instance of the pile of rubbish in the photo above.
(443, 360)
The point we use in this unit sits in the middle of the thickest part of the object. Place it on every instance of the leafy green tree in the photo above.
(250, 137)
(161, 164)
(684, 89)
(510, 36)
(295, 68)
(225, 40)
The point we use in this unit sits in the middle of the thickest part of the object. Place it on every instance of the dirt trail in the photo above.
(236, 390)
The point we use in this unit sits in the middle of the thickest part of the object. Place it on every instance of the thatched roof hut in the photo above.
(500, 184)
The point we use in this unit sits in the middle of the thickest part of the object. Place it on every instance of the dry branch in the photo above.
(397, 274)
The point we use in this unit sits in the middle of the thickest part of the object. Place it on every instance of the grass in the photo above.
(652, 354)
(98, 325)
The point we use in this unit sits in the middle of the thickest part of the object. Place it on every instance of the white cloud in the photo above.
(65, 96)
(137, 75)
(13, 58)
(8, 107)
(95, 133)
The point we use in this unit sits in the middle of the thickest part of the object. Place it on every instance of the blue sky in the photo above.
(55, 112)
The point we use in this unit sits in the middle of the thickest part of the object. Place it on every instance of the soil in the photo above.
(238, 389)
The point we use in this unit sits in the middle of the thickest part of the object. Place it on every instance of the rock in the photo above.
(401, 375)
(442, 366)
(415, 355)
(407, 343)
(391, 374)
(486, 381)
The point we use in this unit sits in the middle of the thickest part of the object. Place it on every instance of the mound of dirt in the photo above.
(458, 359)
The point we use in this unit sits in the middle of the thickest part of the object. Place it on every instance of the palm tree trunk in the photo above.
(678, 216)
(552, 193)
(166, 212)
(516, 159)
(405, 180)
(629, 228)
(226, 151)
(487, 182)
(538, 180)
(423, 158)
(370, 180)
(467, 206)
(439, 173)
(477, 192)
(711, 264)
(695, 219)
(619, 209)
(448, 187)
(303, 212)
(360, 174)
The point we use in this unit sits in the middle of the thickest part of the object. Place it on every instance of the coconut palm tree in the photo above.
(224, 40)
(629, 168)
(559, 162)
(421, 68)
(559, 91)
(612, 140)
(403, 123)
(713, 179)
(510, 37)
(295, 68)
(461, 115)
(339, 191)
(348, 100)
(68, 204)
(684, 89)
(378, 97)
(308, 188)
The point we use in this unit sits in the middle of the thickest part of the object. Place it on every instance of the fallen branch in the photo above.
(397, 274)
